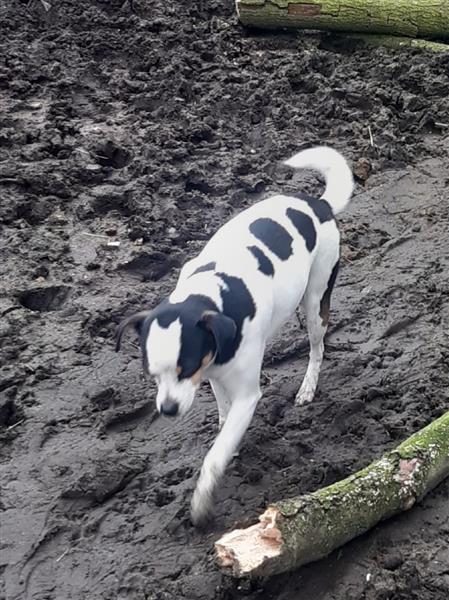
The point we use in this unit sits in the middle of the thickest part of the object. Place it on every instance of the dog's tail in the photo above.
(334, 168)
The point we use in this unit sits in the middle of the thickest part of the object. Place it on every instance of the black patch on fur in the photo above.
(274, 236)
(320, 207)
(238, 304)
(325, 304)
(304, 225)
(196, 342)
(265, 264)
(208, 267)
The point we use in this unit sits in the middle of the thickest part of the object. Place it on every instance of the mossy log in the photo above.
(411, 18)
(291, 533)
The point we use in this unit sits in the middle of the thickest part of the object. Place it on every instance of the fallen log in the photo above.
(291, 533)
(420, 18)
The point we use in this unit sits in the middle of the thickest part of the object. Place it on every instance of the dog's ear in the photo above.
(223, 328)
(135, 320)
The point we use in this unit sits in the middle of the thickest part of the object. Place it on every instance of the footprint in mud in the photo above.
(112, 155)
(10, 413)
(150, 266)
(106, 198)
(103, 399)
(103, 477)
(163, 497)
(45, 299)
(35, 211)
(178, 475)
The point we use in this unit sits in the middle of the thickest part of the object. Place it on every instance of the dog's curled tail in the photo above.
(335, 170)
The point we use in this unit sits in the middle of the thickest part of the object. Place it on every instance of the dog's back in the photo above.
(273, 245)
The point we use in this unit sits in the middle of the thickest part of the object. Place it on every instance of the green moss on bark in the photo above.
(416, 18)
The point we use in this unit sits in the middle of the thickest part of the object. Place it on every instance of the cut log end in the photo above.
(244, 551)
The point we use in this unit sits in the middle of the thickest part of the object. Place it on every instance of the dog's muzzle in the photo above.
(169, 408)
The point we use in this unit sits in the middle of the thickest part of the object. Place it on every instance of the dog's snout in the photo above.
(169, 408)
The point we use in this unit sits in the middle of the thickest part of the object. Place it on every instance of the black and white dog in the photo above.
(231, 299)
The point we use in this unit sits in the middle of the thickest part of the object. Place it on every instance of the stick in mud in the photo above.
(293, 532)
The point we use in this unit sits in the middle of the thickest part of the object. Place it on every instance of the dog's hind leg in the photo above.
(316, 303)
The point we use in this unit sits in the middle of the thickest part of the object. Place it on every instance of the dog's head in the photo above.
(178, 343)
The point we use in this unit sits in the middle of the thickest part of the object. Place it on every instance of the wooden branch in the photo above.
(417, 18)
(291, 533)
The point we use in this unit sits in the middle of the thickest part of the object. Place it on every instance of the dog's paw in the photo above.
(201, 510)
(304, 396)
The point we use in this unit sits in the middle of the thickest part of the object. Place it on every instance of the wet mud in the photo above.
(128, 133)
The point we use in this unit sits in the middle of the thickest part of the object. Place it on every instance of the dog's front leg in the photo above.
(219, 456)
(223, 401)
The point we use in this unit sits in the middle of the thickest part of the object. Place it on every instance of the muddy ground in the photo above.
(129, 133)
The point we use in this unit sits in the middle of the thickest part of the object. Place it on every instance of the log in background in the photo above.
(414, 18)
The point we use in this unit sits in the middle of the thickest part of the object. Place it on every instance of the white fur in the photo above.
(163, 345)
(302, 277)
(329, 162)
(167, 341)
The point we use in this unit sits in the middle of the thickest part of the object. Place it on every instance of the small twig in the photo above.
(407, 210)
(370, 136)
(351, 282)
(105, 237)
(346, 259)
(66, 551)
(47, 6)
(399, 326)
(15, 424)
(394, 243)
(395, 212)
(344, 347)
(11, 180)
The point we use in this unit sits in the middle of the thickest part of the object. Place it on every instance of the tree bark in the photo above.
(291, 533)
(412, 18)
